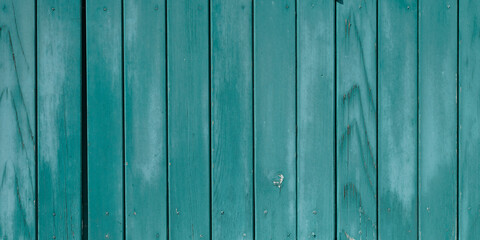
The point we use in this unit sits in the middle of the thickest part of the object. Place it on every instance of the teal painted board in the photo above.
(469, 116)
(231, 119)
(188, 119)
(59, 90)
(397, 119)
(17, 120)
(104, 119)
(316, 119)
(274, 119)
(437, 118)
(145, 119)
(356, 119)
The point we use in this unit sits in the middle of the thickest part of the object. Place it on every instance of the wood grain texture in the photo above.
(397, 119)
(17, 119)
(316, 119)
(59, 86)
(356, 119)
(437, 119)
(232, 121)
(274, 119)
(105, 119)
(145, 119)
(188, 119)
(469, 119)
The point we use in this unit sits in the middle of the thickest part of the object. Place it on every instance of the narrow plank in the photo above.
(316, 119)
(17, 119)
(437, 119)
(188, 119)
(145, 120)
(275, 119)
(397, 119)
(232, 121)
(356, 119)
(469, 115)
(59, 85)
(104, 119)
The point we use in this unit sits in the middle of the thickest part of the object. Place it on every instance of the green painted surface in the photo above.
(274, 119)
(397, 119)
(145, 120)
(356, 120)
(17, 119)
(232, 121)
(469, 119)
(188, 119)
(216, 119)
(315, 119)
(59, 89)
(437, 118)
(104, 119)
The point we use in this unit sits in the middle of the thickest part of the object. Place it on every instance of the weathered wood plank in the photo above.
(232, 121)
(59, 85)
(469, 116)
(145, 120)
(397, 119)
(17, 119)
(105, 119)
(188, 119)
(437, 119)
(316, 119)
(275, 119)
(356, 119)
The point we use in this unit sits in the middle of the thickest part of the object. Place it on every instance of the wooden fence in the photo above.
(241, 119)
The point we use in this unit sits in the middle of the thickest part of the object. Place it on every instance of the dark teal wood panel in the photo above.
(17, 120)
(59, 95)
(356, 119)
(469, 119)
(437, 119)
(316, 119)
(145, 120)
(274, 119)
(188, 119)
(232, 121)
(105, 119)
(397, 119)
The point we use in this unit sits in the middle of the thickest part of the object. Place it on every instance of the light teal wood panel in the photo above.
(145, 120)
(232, 120)
(59, 89)
(437, 119)
(188, 119)
(397, 119)
(104, 119)
(316, 119)
(356, 119)
(469, 119)
(17, 119)
(274, 119)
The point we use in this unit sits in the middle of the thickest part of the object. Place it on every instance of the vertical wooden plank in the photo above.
(397, 119)
(188, 119)
(145, 120)
(437, 119)
(17, 119)
(105, 119)
(59, 84)
(232, 121)
(316, 119)
(356, 119)
(274, 119)
(469, 115)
